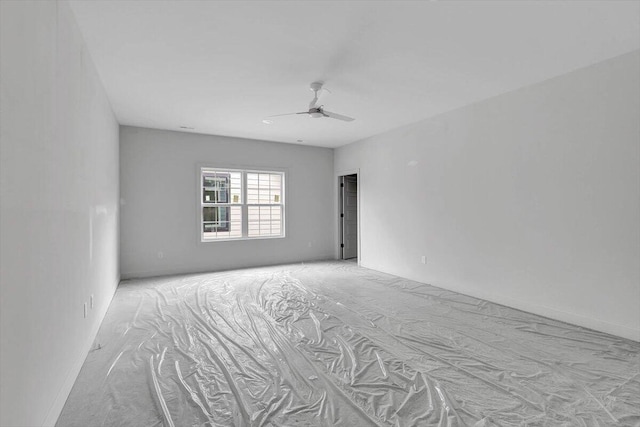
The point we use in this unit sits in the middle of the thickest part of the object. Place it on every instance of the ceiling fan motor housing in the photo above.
(316, 113)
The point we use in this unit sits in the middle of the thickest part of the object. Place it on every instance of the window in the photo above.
(241, 204)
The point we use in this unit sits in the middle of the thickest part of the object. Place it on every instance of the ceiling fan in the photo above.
(315, 111)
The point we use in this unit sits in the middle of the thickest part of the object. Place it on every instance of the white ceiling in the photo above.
(221, 67)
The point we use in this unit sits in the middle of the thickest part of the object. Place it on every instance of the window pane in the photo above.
(216, 187)
(264, 221)
(216, 218)
(236, 187)
(264, 188)
(221, 222)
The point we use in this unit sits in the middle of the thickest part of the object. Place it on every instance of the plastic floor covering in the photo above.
(333, 344)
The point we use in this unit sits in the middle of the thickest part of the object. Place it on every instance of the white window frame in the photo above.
(202, 169)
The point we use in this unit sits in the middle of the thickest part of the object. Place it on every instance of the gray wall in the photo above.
(160, 194)
(530, 198)
(58, 208)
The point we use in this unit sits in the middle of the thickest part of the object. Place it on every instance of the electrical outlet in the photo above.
(424, 259)
(85, 310)
(160, 255)
(91, 301)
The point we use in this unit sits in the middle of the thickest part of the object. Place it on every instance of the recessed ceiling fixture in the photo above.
(300, 140)
(315, 111)
(186, 127)
(267, 122)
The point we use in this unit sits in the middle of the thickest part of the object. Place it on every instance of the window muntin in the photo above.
(241, 204)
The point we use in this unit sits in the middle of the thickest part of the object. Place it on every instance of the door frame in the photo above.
(338, 208)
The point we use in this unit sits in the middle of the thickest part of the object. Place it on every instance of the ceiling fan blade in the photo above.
(337, 116)
(288, 114)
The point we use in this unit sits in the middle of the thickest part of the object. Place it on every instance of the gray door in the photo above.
(350, 217)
